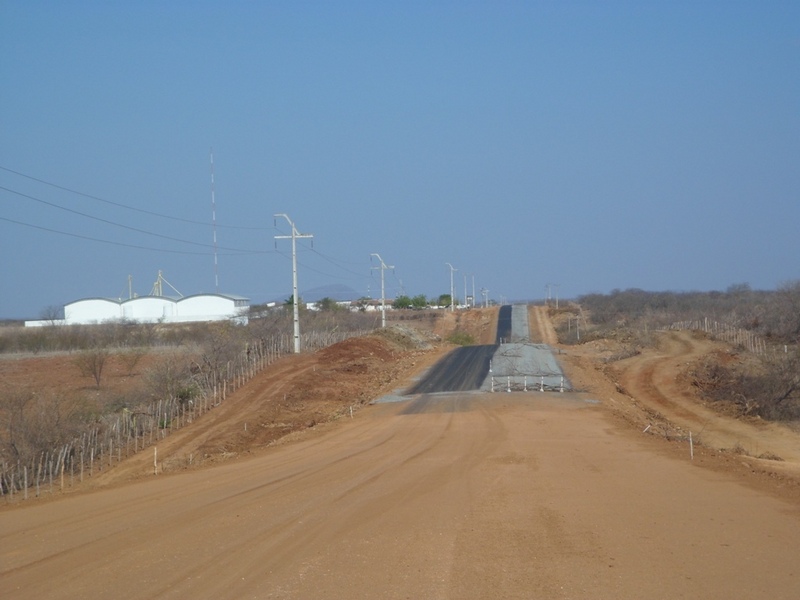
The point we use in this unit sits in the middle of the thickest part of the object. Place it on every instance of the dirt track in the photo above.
(655, 379)
(456, 496)
(542, 330)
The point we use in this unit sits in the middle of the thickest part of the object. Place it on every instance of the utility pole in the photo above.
(473, 289)
(383, 267)
(295, 299)
(452, 289)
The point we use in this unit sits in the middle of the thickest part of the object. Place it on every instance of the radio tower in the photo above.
(214, 223)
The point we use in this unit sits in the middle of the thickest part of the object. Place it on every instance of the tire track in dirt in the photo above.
(654, 380)
(480, 495)
(542, 330)
(363, 476)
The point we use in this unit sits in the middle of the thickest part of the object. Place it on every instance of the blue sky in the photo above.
(593, 145)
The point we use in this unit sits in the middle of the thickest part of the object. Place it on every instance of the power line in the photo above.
(93, 239)
(399, 283)
(125, 206)
(136, 229)
(335, 262)
(308, 267)
(339, 260)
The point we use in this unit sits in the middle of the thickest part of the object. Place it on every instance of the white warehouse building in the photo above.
(154, 309)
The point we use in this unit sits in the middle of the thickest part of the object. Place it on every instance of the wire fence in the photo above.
(115, 437)
(736, 336)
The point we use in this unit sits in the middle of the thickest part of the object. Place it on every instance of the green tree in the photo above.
(289, 303)
(444, 300)
(328, 304)
(419, 301)
(402, 302)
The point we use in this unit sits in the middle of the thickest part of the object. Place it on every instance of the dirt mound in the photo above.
(409, 338)
(357, 349)
(298, 393)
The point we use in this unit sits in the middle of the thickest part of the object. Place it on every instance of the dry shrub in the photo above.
(769, 388)
(92, 362)
(35, 423)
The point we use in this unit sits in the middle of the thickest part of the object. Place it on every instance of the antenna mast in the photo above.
(214, 222)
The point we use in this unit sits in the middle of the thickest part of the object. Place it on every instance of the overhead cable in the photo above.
(93, 239)
(125, 206)
(128, 227)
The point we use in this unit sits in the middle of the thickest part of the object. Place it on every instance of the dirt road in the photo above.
(464, 496)
(542, 330)
(654, 378)
(460, 495)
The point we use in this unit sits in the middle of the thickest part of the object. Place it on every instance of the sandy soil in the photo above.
(457, 496)
(542, 330)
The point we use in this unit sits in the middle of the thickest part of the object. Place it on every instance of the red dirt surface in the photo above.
(468, 496)
(58, 373)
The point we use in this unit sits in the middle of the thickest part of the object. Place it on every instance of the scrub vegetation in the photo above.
(141, 380)
(759, 376)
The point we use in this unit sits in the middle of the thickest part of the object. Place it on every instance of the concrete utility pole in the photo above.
(473, 289)
(383, 267)
(295, 299)
(485, 294)
(452, 289)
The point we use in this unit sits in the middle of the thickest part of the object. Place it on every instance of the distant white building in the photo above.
(370, 305)
(154, 309)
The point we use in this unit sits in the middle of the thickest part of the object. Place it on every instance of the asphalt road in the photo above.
(504, 324)
(467, 368)
(461, 370)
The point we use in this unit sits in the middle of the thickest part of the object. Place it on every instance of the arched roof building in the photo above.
(155, 309)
